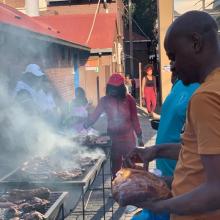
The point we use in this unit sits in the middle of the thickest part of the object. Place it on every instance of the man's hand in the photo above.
(139, 154)
(140, 142)
(168, 180)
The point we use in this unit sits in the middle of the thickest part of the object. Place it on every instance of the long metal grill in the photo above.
(56, 200)
(18, 177)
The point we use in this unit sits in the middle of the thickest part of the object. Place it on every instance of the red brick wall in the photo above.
(62, 79)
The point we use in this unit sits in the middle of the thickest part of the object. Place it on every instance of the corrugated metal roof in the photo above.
(77, 27)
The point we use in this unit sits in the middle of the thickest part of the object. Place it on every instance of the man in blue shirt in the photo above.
(173, 116)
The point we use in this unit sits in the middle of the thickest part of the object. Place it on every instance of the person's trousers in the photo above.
(150, 99)
(121, 146)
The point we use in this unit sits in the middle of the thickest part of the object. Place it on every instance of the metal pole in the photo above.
(103, 189)
(97, 87)
(83, 203)
(131, 40)
(203, 5)
(140, 85)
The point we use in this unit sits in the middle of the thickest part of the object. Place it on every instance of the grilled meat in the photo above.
(86, 161)
(34, 204)
(103, 140)
(87, 140)
(11, 213)
(68, 175)
(132, 186)
(33, 216)
(18, 194)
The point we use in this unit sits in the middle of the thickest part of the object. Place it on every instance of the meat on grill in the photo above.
(68, 175)
(35, 204)
(49, 169)
(103, 140)
(132, 186)
(26, 203)
(18, 194)
(90, 140)
(86, 161)
(33, 216)
(11, 213)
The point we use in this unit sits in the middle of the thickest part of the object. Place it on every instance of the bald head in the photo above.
(194, 21)
(192, 41)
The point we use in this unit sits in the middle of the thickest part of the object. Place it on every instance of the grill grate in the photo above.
(54, 196)
(20, 176)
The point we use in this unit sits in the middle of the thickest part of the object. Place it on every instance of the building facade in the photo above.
(25, 41)
(98, 26)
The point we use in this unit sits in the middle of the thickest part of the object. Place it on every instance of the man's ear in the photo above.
(197, 42)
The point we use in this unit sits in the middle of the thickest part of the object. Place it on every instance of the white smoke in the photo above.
(24, 136)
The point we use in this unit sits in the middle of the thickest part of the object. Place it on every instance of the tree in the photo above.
(145, 14)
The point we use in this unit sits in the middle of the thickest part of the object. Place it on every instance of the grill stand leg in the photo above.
(83, 203)
(111, 182)
(103, 189)
(60, 215)
(62, 208)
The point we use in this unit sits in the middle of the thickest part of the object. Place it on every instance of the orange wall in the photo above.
(165, 14)
(88, 78)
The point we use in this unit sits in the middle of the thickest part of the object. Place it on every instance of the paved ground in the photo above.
(94, 199)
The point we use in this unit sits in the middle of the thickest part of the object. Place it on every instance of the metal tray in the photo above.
(53, 210)
(14, 180)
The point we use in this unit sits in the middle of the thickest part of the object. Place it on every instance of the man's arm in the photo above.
(168, 151)
(204, 198)
(93, 117)
(147, 154)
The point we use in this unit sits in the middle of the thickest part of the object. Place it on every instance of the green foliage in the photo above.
(145, 14)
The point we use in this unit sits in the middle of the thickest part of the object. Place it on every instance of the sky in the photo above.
(182, 6)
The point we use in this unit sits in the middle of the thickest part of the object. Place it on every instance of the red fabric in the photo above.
(123, 122)
(150, 98)
(116, 79)
(121, 146)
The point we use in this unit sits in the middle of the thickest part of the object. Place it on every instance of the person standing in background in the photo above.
(133, 88)
(149, 90)
(123, 122)
(128, 84)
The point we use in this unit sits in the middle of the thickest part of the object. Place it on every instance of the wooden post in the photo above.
(140, 84)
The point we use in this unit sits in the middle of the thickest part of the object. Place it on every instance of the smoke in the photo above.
(24, 136)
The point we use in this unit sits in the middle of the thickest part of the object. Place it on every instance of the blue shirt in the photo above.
(173, 116)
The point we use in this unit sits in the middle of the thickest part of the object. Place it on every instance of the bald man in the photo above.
(192, 45)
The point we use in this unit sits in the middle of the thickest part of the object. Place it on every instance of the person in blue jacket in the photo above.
(173, 116)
